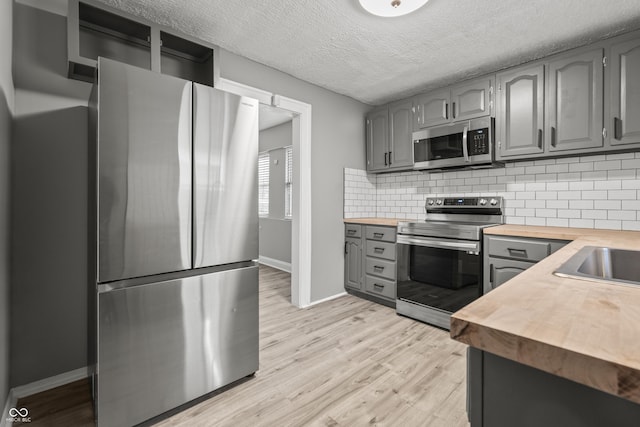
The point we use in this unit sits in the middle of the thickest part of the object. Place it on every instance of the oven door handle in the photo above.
(465, 149)
(442, 244)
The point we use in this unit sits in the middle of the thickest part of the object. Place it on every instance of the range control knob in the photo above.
(430, 202)
(439, 202)
(493, 202)
(483, 202)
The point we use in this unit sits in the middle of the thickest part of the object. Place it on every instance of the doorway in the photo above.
(301, 243)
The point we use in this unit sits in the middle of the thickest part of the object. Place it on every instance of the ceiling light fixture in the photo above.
(391, 8)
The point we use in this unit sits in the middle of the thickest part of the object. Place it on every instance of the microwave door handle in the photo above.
(465, 149)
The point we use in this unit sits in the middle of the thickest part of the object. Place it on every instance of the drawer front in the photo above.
(379, 267)
(521, 249)
(380, 287)
(386, 234)
(384, 250)
(352, 230)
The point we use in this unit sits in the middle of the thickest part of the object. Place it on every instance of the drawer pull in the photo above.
(378, 235)
(377, 287)
(517, 252)
(378, 267)
(351, 231)
(378, 250)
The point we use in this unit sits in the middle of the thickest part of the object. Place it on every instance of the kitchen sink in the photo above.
(601, 264)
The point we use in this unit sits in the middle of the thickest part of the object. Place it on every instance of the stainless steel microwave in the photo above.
(467, 143)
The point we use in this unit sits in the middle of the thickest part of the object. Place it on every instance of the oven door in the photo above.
(443, 274)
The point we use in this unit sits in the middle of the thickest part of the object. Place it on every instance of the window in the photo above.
(263, 184)
(288, 183)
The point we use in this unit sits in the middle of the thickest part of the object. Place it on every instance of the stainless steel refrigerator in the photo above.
(175, 312)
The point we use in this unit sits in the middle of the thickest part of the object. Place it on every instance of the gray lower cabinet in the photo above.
(504, 393)
(625, 93)
(353, 256)
(370, 262)
(506, 257)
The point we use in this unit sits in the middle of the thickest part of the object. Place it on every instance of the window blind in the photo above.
(288, 183)
(263, 184)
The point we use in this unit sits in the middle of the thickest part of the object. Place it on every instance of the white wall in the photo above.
(588, 191)
(6, 109)
(48, 203)
(337, 142)
(275, 230)
(49, 190)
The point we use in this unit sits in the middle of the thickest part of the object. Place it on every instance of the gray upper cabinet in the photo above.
(575, 102)
(377, 140)
(388, 133)
(520, 112)
(401, 127)
(472, 99)
(625, 93)
(464, 101)
(432, 108)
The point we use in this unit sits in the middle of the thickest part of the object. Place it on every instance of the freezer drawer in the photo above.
(164, 344)
(144, 172)
(225, 177)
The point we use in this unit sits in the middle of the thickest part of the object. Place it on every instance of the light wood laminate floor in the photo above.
(345, 362)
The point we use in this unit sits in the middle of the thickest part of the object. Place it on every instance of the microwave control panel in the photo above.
(478, 141)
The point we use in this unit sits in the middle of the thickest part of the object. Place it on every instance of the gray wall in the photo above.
(337, 133)
(49, 191)
(6, 108)
(48, 202)
(275, 231)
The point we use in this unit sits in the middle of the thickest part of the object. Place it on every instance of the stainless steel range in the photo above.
(440, 259)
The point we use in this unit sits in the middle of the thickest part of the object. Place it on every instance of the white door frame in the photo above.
(301, 218)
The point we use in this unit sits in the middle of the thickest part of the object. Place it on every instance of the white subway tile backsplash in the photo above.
(607, 165)
(557, 222)
(609, 224)
(581, 167)
(581, 223)
(588, 191)
(622, 215)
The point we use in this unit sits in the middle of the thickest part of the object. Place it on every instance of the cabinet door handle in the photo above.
(540, 138)
(346, 248)
(517, 252)
(617, 128)
(389, 158)
(553, 136)
(378, 235)
(453, 110)
(385, 159)
(491, 274)
(446, 110)
(378, 250)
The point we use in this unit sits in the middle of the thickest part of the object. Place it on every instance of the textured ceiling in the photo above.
(336, 45)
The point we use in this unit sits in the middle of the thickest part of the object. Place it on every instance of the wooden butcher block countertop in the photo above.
(588, 332)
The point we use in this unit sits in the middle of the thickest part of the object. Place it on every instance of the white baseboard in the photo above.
(275, 263)
(38, 387)
(325, 299)
(51, 382)
(12, 400)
